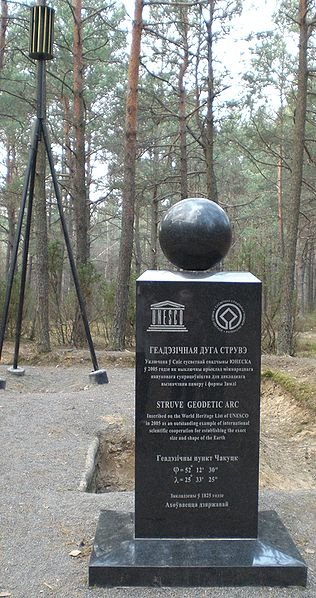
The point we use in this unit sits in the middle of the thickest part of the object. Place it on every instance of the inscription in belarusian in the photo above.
(197, 406)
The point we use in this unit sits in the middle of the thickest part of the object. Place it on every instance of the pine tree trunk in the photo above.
(154, 230)
(79, 178)
(280, 203)
(10, 203)
(182, 108)
(211, 184)
(138, 250)
(3, 30)
(41, 254)
(128, 207)
(285, 341)
(68, 193)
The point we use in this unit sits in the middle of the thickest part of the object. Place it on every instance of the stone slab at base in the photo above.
(118, 559)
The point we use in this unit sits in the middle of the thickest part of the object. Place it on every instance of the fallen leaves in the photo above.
(84, 549)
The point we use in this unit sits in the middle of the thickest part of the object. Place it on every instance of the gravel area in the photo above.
(47, 424)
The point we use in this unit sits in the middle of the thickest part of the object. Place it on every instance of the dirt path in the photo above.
(49, 420)
(288, 431)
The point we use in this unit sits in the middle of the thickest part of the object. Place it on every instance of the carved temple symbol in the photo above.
(167, 316)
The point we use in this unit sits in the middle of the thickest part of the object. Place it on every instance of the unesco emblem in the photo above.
(228, 316)
(167, 316)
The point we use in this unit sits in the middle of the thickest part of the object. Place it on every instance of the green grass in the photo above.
(310, 322)
(306, 338)
(306, 347)
(303, 392)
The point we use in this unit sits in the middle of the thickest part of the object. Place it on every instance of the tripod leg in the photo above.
(30, 166)
(69, 249)
(24, 266)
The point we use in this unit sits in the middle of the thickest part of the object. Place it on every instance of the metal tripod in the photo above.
(40, 132)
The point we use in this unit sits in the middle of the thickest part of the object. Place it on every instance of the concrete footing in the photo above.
(99, 377)
(16, 371)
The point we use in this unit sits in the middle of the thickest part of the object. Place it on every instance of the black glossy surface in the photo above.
(195, 234)
(197, 458)
(120, 560)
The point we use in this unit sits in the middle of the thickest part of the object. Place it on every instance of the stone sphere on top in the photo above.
(195, 234)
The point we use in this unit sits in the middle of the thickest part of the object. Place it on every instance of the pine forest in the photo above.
(148, 103)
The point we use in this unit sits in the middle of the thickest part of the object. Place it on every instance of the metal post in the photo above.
(69, 249)
(24, 269)
(30, 166)
(41, 94)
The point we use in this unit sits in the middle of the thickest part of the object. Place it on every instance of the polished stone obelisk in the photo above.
(196, 520)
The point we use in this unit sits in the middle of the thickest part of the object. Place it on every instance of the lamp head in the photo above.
(42, 32)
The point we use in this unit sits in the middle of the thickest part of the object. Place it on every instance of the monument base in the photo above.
(118, 559)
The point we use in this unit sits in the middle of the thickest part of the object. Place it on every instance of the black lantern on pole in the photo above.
(42, 32)
(41, 49)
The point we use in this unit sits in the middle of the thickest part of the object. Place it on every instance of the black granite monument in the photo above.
(196, 519)
(197, 405)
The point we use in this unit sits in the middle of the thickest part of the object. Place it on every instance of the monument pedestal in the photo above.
(118, 559)
(197, 445)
